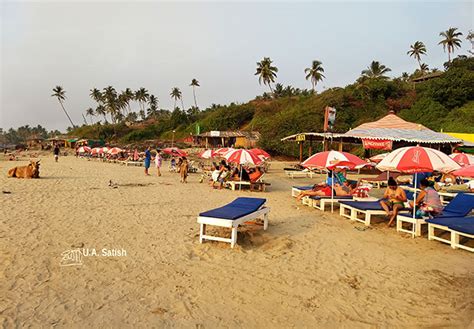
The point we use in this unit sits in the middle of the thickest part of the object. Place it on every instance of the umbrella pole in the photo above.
(332, 191)
(240, 185)
(414, 207)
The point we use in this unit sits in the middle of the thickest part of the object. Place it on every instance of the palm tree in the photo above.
(416, 50)
(153, 103)
(176, 94)
(60, 94)
(90, 113)
(141, 95)
(266, 72)
(470, 38)
(111, 103)
(450, 41)
(194, 83)
(100, 110)
(128, 97)
(96, 95)
(375, 70)
(424, 68)
(315, 73)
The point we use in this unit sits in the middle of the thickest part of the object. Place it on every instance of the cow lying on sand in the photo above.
(29, 171)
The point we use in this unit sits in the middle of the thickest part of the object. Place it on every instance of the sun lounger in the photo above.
(379, 180)
(295, 190)
(299, 173)
(259, 183)
(457, 227)
(352, 210)
(232, 215)
(460, 206)
(320, 202)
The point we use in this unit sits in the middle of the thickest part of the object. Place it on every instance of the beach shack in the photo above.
(388, 133)
(215, 139)
(35, 143)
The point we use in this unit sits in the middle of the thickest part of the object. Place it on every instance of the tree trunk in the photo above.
(419, 63)
(194, 94)
(182, 104)
(66, 114)
(174, 104)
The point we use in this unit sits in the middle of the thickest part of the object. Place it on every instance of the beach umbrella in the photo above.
(415, 159)
(114, 151)
(467, 171)
(260, 153)
(99, 150)
(379, 157)
(463, 159)
(174, 151)
(331, 160)
(223, 151)
(242, 156)
(207, 154)
(84, 149)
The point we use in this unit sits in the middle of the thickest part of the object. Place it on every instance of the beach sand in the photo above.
(308, 269)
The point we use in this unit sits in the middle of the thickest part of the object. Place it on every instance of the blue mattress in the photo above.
(238, 208)
(461, 205)
(319, 197)
(465, 227)
(452, 221)
(304, 188)
(363, 205)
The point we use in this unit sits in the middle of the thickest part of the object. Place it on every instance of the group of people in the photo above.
(223, 171)
(428, 201)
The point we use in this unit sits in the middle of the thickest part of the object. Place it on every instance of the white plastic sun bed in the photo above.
(232, 215)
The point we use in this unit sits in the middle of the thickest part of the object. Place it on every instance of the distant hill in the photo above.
(444, 102)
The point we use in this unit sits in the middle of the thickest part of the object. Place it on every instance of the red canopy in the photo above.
(174, 151)
(331, 159)
(467, 171)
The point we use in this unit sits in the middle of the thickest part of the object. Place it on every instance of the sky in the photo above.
(81, 45)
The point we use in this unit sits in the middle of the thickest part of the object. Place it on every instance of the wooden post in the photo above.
(310, 151)
(301, 151)
(340, 146)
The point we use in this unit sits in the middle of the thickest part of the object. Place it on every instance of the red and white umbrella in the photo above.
(207, 154)
(242, 156)
(332, 159)
(463, 159)
(414, 159)
(84, 149)
(99, 150)
(260, 153)
(467, 171)
(379, 157)
(114, 151)
(174, 151)
(223, 151)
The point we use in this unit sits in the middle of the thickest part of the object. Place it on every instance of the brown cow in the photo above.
(29, 171)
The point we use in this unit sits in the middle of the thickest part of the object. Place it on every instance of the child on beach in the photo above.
(147, 160)
(56, 152)
(158, 161)
(183, 169)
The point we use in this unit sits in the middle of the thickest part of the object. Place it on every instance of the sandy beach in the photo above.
(309, 269)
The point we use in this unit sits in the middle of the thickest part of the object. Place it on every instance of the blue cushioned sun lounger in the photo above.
(295, 190)
(352, 210)
(232, 215)
(456, 226)
(320, 202)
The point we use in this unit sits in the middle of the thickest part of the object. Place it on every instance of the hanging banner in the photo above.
(329, 118)
(377, 144)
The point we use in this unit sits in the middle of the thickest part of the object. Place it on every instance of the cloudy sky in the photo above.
(160, 45)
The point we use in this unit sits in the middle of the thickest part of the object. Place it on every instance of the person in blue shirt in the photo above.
(147, 160)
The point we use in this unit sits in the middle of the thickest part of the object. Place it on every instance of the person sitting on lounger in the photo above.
(255, 175)
(393, 200)
(428, 202)
(343, 190)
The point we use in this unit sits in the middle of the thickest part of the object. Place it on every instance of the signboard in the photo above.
(215, 133)
(300, 138)
(329, 118)
(376, 144)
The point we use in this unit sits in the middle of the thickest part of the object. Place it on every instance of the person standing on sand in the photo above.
(147, 160)
(158, 161)
(56, 152)
(183, 170)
